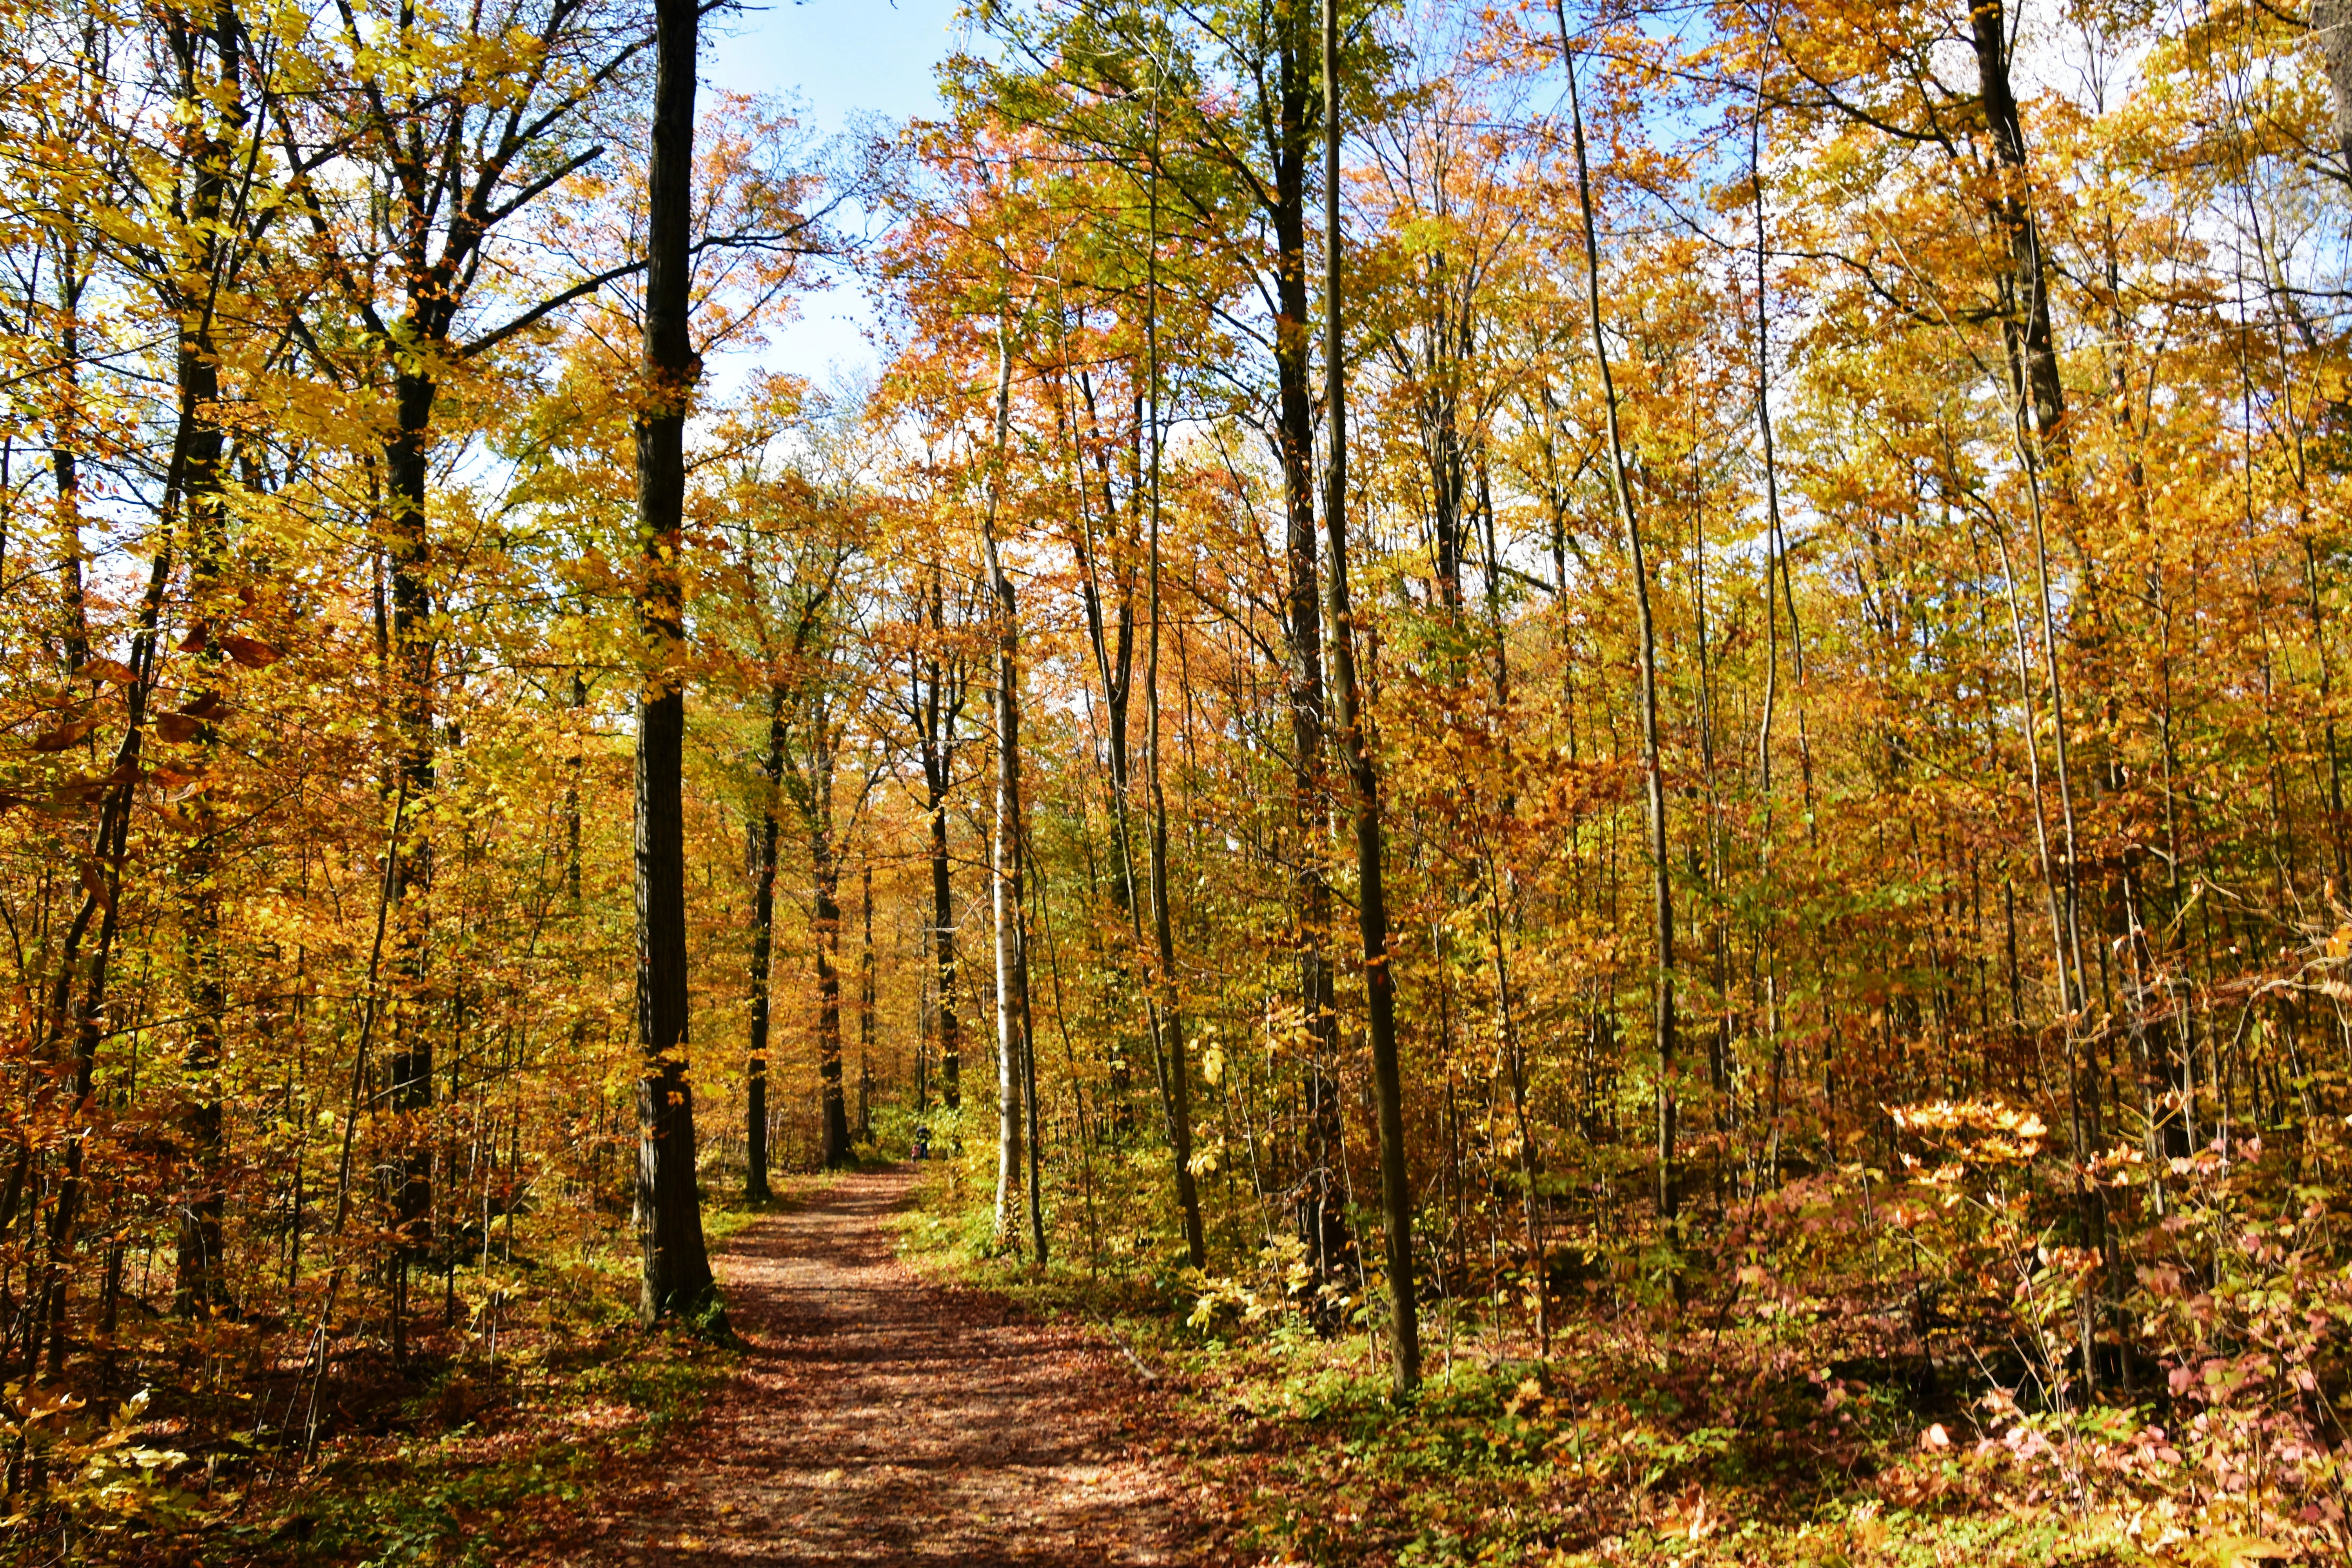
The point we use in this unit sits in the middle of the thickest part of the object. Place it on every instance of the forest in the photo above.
(1586, 755)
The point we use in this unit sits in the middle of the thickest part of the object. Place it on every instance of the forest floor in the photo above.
(882, 1416)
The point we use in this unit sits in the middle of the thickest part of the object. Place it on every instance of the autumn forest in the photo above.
(1582, 759)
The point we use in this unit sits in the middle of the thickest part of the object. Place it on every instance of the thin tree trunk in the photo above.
(764, 948)
(1005, 848)
(936, 715)
(826, 869)
(64, 458)
(1662, 906)
(1166, 1000)
(572, 791)
(1371, 905)
(865, 992)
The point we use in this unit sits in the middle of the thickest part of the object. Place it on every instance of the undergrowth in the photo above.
(538, 1396)
(1747, 1419)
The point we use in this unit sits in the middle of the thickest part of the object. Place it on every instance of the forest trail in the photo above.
(884, 1418)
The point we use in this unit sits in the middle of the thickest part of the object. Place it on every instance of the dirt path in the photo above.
(881, 1418)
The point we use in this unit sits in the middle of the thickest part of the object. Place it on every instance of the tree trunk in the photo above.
(409, 1066)
(1662, 905)
(2031, 342)
(1005, 850)
(1321, 1213)
(944, 953)
(670, 1212)
(1166, 1013)
(826, 869)
(1371, 905)
(200, 1285)
(763, 940)
(65, 465)
(576, 765)
(939, 742)
(866, 979)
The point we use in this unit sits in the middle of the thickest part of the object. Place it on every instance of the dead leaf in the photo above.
(110, 669)
(250, 652)
(179, 728)
(66, 734)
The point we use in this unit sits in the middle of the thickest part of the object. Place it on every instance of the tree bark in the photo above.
(1371, 904)
(677, 1280)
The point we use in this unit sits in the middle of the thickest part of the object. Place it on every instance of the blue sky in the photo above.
(839, 59)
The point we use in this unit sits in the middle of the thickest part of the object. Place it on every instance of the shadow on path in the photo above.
(880, 1418)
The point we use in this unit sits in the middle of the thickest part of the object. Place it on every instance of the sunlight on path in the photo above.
(883, 1419)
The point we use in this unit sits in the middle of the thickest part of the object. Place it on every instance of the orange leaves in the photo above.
(71, 733)
(250, 652)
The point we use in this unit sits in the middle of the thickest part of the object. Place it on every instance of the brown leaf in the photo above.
(198, 635)
(66, 734)
(93, 883)
(110, 669)
(250, 652)
(179, 728)
(208, 706)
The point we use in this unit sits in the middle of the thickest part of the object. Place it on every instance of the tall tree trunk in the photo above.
(2032, 344)
(764, 947)
(409, 1066)
(200, 1285)
(1165, 1009)
(1007, 848)
(1111, 638)
(678, 1279)
(866, 979)
(943, 954)
(938, 745)
(64, 467)
(824, 865)
(1371, 904)
(1319, 1201)
(1662, 905)
(574, 765)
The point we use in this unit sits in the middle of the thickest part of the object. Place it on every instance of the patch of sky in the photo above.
(846, 65)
